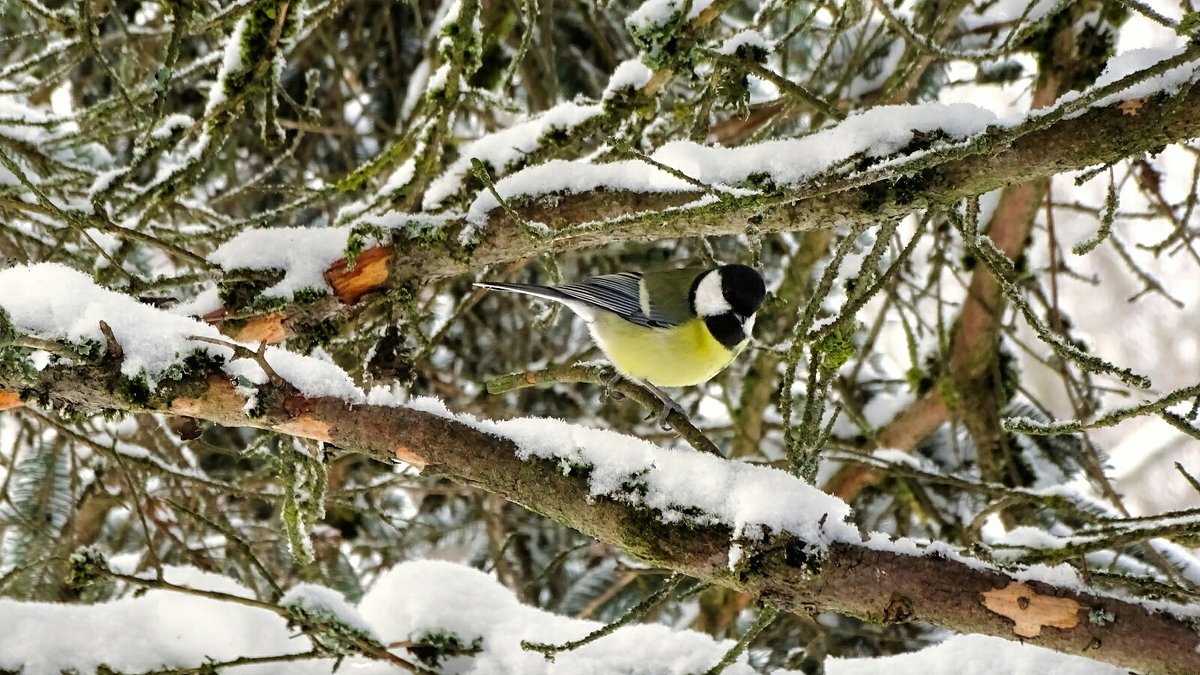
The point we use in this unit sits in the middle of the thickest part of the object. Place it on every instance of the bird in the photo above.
(666, 328)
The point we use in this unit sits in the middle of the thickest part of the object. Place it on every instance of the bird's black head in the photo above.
(727, 298)
(743, 289)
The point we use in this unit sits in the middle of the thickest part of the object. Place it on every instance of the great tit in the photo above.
(671, 328)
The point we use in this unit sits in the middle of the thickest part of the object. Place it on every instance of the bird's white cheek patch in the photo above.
(710, 298)
(748, 326)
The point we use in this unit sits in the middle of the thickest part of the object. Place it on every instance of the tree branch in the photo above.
(1100, 135)
(872, 582)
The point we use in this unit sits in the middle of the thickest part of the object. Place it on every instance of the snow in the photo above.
(1129, 63)
(726, 495)
(898, 457)
(169, 124)
(1066, 576)
(190, 577)
(417, 85)
(19, 66)
(414, 224)
(973, 655)
(745, 38)
(1030, 537)
(574, 177)
(103, 180)
(163, 629)
(62, 100)
(418, 598)
(303, 253)
(231, 62)
(207, 300)
(1062, 576)
(659, 12)
(321, 599)
(54, 302)
(504, 147)
(681, 485)
(877, 132)
(1006, 12)
(448, 13)
(402, 176)
(630, 74)
(134, 634)
(438, 80)
(20, 121)
(1135, 60)
(311, 376)
(29, 124)
(874, 133)
(501, 148)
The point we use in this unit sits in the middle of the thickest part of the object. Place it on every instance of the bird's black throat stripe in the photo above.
(726, 328)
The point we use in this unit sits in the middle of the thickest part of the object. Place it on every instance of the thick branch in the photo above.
(1099, 136)
(877, 585)
(599, 217)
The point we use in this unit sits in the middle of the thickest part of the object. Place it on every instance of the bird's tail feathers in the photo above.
(545, 292)
(525, 289)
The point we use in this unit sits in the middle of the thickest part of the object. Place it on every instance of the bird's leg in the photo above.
(669, 405)
(609, 391)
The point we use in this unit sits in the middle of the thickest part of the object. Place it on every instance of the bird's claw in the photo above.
(668, 406)
(610, 391)
(665, 412)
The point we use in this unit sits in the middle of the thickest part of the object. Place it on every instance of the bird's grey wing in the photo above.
(620, 294)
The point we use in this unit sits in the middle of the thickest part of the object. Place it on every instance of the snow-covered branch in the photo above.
(805, 188)
(750, 528)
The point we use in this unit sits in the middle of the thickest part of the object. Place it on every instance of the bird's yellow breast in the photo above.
(666, 357)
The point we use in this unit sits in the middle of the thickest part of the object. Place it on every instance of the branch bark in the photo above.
(1099, 135)
(852, 578)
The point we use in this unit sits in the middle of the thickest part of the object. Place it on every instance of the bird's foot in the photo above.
(668, 406)
(610, 391)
